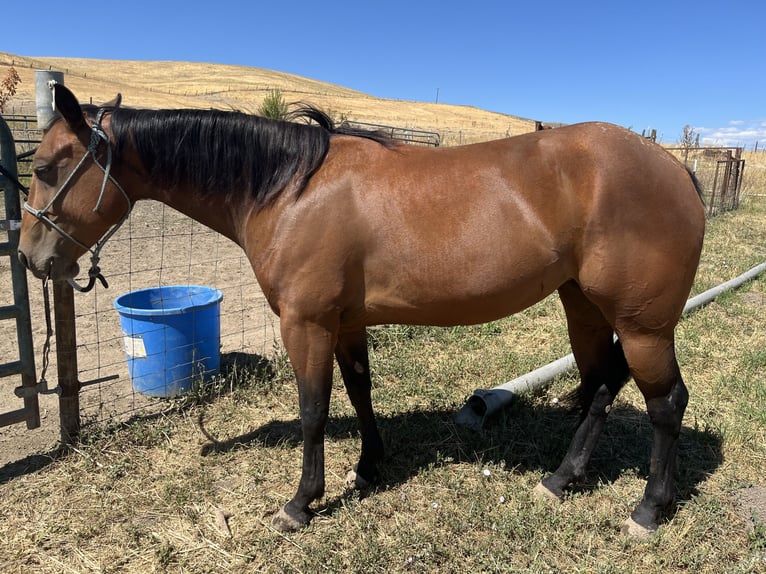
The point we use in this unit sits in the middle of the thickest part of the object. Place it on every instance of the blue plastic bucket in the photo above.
(171, 337)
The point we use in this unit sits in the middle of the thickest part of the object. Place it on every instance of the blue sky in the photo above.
(644, 64)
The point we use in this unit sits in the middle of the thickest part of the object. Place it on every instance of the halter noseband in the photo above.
(97, 135)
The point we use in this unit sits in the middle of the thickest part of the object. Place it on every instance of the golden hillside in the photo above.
(198, 85)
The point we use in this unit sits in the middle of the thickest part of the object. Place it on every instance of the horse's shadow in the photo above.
(525, 437)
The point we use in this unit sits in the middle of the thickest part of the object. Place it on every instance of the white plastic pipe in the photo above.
(710, 294)
(484, 404)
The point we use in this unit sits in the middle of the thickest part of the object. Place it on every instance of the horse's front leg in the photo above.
(310, 348)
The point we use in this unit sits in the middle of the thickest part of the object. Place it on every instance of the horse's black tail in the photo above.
(697, 185)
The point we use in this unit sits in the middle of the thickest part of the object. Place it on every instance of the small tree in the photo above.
(8, 87)
(274, 106)
(338, 118)
(689, 139)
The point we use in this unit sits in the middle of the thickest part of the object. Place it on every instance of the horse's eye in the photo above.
(43, 171)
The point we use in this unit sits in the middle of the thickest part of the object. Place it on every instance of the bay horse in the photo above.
(345, 229)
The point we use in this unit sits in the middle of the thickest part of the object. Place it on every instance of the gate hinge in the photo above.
(10, 224)
(40, 388)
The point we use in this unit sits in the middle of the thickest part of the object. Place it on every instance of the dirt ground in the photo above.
(751, 503)
(157, 246)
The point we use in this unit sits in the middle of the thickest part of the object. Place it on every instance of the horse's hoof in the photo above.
(541, 492)
(356, 481)
(634, 530)
(285, 522)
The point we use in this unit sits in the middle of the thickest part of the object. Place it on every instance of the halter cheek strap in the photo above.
(97, 135)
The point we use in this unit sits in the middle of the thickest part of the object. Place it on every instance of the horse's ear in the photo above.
(114, 103)
(65, 103)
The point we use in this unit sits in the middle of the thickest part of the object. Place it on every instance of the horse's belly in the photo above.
(464, 300)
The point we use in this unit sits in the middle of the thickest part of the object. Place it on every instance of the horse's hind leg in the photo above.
(655, 369)
(603, 372)
(352, 357)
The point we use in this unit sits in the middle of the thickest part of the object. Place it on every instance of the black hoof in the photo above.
(289, 521)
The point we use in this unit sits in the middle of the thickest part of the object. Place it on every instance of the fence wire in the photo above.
(159, 246)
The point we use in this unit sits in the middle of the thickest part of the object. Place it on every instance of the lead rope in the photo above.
(43, 384)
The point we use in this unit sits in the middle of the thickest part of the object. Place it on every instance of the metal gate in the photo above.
(24, 365)
(727, 183)
(720, 172)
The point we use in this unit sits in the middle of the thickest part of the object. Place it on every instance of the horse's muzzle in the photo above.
(37, 271)
(54, 268)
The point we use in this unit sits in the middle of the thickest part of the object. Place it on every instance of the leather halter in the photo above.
(96, 137)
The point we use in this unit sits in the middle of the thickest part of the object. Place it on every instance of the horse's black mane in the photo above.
(229, 152)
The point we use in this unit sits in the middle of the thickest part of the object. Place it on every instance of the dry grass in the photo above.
(193, 85)
(754, 180)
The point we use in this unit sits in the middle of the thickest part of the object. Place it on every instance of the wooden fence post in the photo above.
(66, 360)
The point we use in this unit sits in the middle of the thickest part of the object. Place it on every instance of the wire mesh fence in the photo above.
(157, 247)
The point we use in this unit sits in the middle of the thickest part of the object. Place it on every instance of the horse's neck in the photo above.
(247, 225)
(207, 209)
(236, 217)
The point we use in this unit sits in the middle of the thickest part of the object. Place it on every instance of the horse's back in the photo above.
(474, 233)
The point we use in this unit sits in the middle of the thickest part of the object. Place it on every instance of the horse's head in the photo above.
(74, 203)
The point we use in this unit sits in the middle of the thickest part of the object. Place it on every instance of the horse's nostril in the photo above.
(23, 259)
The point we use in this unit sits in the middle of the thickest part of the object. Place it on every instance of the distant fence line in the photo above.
(406, 135)
(446, 137)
